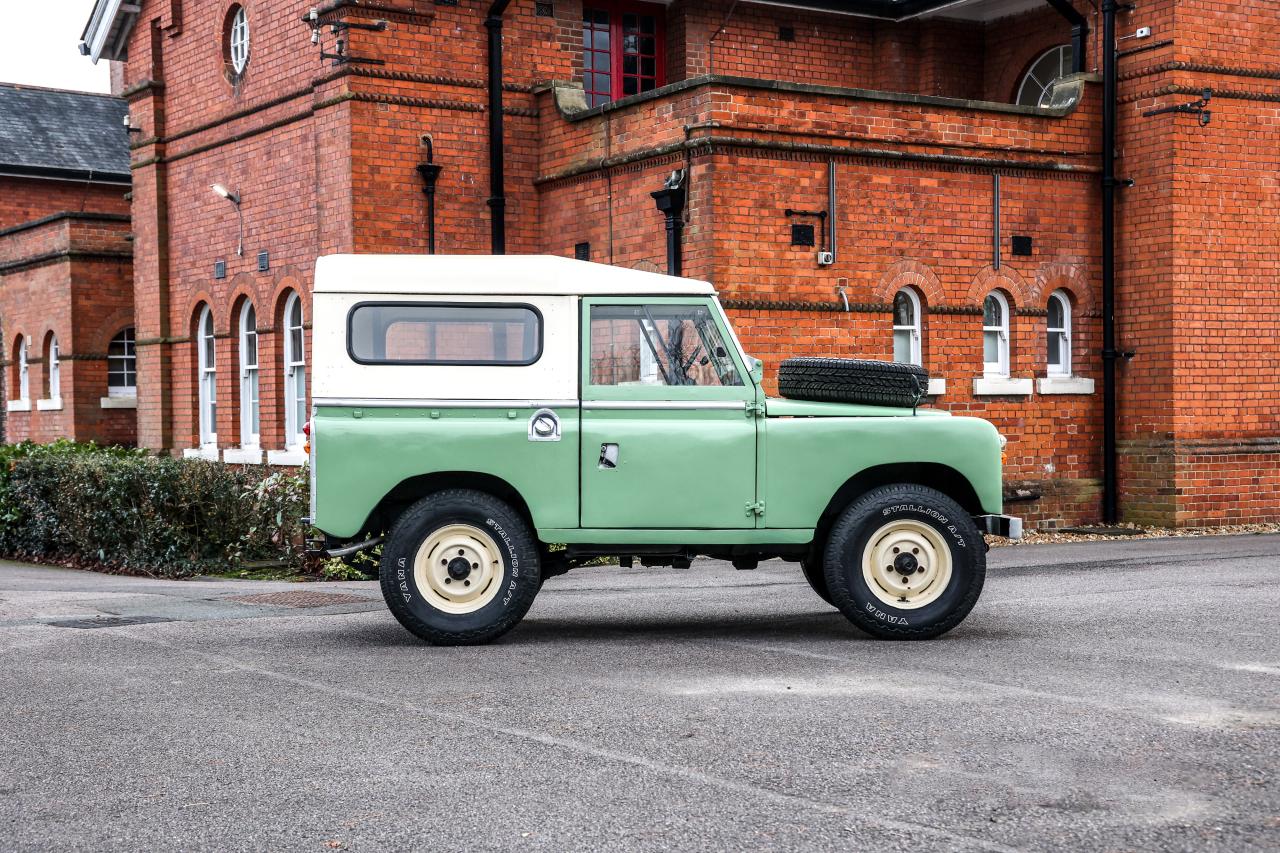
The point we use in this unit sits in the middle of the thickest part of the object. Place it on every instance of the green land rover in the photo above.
(495, 421)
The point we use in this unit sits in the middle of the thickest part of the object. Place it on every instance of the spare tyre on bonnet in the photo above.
(851, 380)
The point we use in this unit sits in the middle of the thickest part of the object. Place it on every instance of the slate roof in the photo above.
(55, 133)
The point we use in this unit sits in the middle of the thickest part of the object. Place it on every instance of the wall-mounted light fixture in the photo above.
(128, 125)
(315, 20)
(430, 172)
(234, 198)
(1200, 109)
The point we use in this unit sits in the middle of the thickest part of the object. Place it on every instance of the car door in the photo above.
(668, 426)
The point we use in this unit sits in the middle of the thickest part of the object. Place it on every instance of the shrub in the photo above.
(131, 511)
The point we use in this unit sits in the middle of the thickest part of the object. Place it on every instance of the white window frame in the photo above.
(208, 379)
(295, 373)
(1043, 88)
(1063, 368)
(53, 369)
(127, 337)
(913, 329)
(250, 403)
(999, 367)
(238, 40)
(24, 370)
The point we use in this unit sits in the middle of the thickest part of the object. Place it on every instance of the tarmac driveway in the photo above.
(1110, 696)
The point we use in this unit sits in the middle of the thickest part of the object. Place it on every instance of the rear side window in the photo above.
(434, 333)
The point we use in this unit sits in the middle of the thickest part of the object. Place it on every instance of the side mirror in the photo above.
(757, 371)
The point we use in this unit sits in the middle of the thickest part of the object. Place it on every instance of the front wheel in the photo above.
(459, 568)
(905, 562)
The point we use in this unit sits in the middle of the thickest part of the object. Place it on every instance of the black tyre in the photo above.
(905, 562)
(460, 567)
(814, 574)
(850, 380)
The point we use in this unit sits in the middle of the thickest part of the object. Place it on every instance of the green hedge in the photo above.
(130, 511)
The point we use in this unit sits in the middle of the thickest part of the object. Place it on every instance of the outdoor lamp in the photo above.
(234, 198)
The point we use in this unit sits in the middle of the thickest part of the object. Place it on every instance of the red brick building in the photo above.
(66, 279)
(859, 177)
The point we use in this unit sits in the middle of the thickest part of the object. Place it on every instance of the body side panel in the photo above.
(363, 453)
(809, 459)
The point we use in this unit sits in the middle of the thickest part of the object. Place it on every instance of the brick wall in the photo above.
(25, 199)
(70, 277)
(325, 160)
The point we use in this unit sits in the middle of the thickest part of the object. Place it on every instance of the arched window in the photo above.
(906, 326)
(122, 365)
(1037, 84)
(238, 40)
(22, 380)
(995, 335)
(1059, 361)
(52, 368)
(295, 374)
(208, 379)
(249, 409)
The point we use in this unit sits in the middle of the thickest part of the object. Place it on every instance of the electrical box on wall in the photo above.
(802, 234)
(1021, 245)
(826, 259)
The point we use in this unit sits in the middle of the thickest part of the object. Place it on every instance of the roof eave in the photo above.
(106, 35)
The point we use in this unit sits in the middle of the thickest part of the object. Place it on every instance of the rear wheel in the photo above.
(460, 567)
(905, 562)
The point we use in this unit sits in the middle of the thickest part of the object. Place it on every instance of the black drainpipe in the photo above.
(1110, 490)
(670, 201)
(497, 161)
(1079, 29)
(430, 172)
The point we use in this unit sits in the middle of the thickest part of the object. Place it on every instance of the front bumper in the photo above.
(1000, 525)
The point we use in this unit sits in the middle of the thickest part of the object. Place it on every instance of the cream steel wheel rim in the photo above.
(458, 569)
(906, 564)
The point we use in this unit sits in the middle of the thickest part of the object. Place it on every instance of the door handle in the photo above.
(608, 456)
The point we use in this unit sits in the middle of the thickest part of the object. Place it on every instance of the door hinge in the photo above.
(755, 508)
(755, 410)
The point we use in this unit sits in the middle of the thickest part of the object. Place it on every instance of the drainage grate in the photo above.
(107, 621)
(300, 599)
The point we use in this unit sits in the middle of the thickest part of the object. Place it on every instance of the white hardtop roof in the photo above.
(502, 275)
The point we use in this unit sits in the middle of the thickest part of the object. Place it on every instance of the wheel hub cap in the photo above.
(458, 568)
(906, 564)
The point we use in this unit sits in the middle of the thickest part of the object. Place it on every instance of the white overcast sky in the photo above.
(38, 46)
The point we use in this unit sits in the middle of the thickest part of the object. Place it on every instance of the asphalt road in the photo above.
(1113, 696)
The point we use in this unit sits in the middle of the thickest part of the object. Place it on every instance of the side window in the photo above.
(122, 365)
(434, 333)
(1059, 328)
(906, 327)
(995, 335)
(659, 345)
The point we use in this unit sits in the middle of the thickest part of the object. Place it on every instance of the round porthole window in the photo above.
(237, 39)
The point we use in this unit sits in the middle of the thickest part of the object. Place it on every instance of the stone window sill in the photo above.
(243, 455)
(1064, 385)
(118, 402)
(1001, 386)
(208, 454)
(292, 456)
(53, 404)
(18, 406)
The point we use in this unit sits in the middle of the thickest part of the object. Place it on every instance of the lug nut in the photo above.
(915, 550)
(448, 580)
(466, 583)
(475, 565)
(895, 550)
